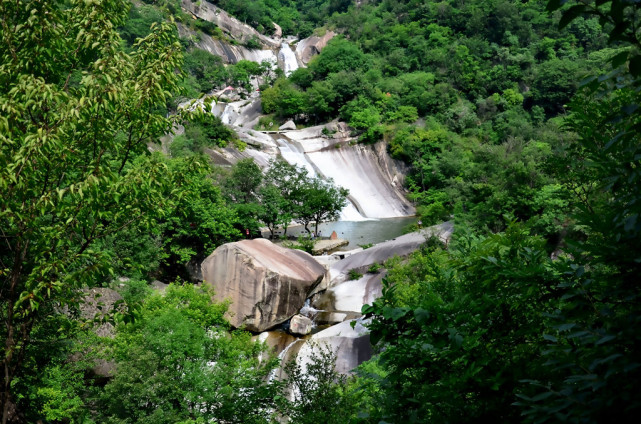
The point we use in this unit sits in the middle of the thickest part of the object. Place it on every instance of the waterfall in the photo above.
(288, 58)
(226, 116)
(309, 311)
(295, 156)
(283, 357)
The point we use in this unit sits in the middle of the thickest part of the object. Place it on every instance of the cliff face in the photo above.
(227, 52)
(273, 49)
(372, 177)
(235, 29)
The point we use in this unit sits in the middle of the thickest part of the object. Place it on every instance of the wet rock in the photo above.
(350, 345)
(300, 325)
(366, 171)
(289, 125)
(276, 341)
(229, 53)
(266, 283)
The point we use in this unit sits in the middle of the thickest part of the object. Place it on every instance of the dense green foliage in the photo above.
(177, 363)
(529, 314)
(493, 327)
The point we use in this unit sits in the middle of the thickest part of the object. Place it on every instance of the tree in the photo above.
(177, 362)
(320, 200)
(76, 110)
(199, 221)
(288, 179)
(274, 210)
(242, 184)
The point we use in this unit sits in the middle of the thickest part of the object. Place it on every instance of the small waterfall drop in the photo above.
(309, 311)
(288, 58)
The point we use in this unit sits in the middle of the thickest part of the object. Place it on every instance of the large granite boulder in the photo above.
(266, 283)
(310, 47)
(300, 325)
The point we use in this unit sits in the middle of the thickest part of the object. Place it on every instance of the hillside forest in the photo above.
(516, 120)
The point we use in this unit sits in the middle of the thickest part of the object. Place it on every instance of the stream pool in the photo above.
(359, 232)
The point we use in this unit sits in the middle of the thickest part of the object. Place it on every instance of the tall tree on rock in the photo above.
(76, 111)
(320, 201)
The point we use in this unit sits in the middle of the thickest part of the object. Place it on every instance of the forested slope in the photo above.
(518, 122)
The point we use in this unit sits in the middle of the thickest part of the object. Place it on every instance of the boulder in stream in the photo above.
(300, 325)
(266, 283)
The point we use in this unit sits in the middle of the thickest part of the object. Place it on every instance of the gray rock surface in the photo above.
(350, 345)
(230, 25)
(276, 341)
(400, 246)
(266, 283)
(289, 125)
(278, 31)
(373, 179)
(98, 304)
(227, 52)
(309, 47)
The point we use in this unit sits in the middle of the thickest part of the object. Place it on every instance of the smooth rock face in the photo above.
(227, 52)
(400, 246)
(370, 175)
(300, 325)
(266, 283)
(350, 345)
(309, 47)
(232, 26)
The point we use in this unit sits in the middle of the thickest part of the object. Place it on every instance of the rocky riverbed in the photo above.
(268, 285)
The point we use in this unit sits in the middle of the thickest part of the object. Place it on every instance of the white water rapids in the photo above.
(288, 59)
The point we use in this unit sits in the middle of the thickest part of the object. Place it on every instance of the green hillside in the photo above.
(516, 120)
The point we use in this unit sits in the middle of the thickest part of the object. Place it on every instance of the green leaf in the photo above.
(635, 65)
(619, 59)
(570, 15)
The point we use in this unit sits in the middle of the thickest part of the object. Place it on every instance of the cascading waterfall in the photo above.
(288, 58)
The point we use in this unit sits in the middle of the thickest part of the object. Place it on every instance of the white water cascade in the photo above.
(288, 59)
(356, 168)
